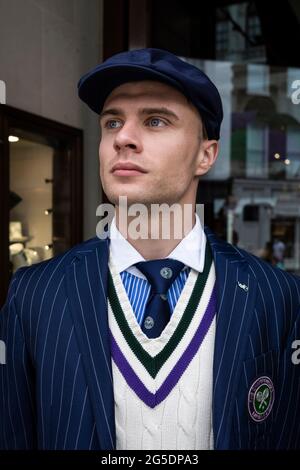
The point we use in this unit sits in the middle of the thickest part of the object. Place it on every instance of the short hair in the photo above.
(204, 131)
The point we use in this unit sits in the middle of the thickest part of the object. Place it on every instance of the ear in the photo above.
(207, 156)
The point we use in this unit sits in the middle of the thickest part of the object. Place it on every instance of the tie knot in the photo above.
(161, 273)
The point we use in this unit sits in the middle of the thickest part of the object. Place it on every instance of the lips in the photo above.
(127, 169)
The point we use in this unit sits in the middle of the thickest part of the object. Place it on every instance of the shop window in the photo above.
(40, 190)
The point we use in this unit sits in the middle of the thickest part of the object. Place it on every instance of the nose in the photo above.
(128, 138)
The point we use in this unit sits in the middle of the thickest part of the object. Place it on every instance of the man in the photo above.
(155, 342)
(278, 254)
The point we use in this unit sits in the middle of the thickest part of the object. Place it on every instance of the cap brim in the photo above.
(95, 86)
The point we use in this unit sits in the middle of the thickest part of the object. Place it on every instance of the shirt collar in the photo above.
(190, 251)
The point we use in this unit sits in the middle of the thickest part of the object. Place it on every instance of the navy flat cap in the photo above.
(154, 64)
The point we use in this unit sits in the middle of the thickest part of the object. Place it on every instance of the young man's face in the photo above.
(152, 125)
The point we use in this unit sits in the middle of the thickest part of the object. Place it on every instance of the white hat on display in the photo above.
(15, 232)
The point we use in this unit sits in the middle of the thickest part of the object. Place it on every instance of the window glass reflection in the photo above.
(30, 228)
(255, 184)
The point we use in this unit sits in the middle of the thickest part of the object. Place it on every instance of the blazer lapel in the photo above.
(236, 290)
(87, 293)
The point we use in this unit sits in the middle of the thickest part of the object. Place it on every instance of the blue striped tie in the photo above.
(161, 273)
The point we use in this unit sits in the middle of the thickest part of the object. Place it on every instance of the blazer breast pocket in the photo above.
(255, 401)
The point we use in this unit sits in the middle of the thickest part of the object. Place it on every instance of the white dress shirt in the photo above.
(190, 250)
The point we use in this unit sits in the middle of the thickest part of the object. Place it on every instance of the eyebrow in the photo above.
(144, 111)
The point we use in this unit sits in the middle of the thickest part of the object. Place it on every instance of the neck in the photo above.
(155, 234)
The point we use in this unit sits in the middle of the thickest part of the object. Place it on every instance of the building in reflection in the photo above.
(253, 193)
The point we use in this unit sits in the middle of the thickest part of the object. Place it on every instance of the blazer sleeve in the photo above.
(17, 378)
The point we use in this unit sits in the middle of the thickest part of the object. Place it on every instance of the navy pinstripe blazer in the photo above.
(56, 389)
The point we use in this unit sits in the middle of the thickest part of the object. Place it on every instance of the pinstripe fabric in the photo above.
(44, 379)
(255, 330)
(138, 291)
(56, 389)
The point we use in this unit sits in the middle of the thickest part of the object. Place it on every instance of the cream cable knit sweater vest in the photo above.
(168, 407)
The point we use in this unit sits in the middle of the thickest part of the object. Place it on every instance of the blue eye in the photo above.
(112, 124)
(156, 122)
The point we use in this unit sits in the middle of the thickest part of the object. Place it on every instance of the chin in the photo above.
(134, 195)
(137, 195)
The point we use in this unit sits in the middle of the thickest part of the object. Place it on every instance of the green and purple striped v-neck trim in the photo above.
(152, 365)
